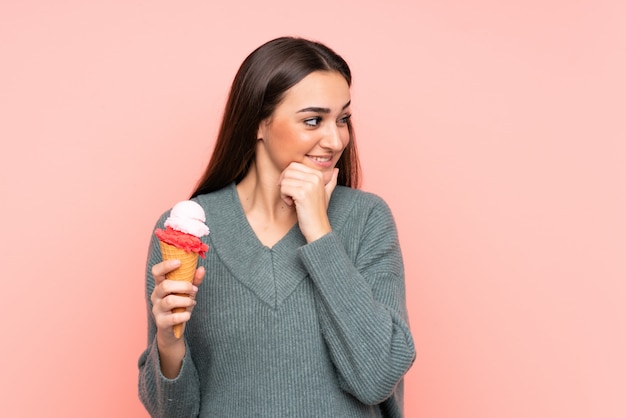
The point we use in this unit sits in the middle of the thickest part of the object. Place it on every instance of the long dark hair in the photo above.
(259, 86)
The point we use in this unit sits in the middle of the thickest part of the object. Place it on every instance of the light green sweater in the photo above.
(298, 330)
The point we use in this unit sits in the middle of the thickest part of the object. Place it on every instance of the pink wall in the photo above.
(495, 132)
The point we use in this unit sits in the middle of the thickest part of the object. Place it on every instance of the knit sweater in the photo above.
(298, 330)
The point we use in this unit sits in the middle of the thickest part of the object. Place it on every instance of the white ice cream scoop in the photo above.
(188, 217)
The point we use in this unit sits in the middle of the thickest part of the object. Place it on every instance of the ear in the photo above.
(260, 131)
(263, 125)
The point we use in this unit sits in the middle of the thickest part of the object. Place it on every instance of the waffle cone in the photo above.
(186, 271)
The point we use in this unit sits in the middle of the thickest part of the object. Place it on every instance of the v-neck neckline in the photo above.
(271, 274)
(242, 214)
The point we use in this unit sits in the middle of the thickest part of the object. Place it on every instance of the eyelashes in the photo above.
(314, 122)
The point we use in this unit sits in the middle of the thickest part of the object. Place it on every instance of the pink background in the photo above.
(495, 130)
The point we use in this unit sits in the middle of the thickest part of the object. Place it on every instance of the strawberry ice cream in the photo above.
(180, 240)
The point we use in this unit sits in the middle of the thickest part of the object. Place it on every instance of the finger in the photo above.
(177, 301)
(284, 197)
(172, 303)
(330, 186)
(161, 269)
(290, 170)
(287, 199)
(198, 278)
(168, 287)
(197, 281)
(302, 182)
(295, 166)
(176, 286)
(298, 181)
(291, 191)
(300, 172)
(168, 320)
(285, 194)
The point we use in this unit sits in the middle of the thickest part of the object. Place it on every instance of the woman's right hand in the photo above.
(164, 299)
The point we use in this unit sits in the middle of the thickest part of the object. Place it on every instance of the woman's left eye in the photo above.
(313, 122)
(345, 119)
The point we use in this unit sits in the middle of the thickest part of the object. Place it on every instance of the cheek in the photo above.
(278, 132)
(302, 140)
(285, 134)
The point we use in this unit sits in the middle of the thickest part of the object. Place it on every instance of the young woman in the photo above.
(298, 310)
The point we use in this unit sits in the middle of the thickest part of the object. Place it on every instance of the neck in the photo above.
(259, 194)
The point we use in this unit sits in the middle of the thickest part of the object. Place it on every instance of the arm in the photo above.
(361, 304)
(168, 381)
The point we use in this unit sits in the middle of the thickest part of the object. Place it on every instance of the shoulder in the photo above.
(219, 201)
(221, 205)
(348, 205)
(219, 198)
(358, 199)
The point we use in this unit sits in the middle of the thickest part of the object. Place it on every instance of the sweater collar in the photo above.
(271, 274)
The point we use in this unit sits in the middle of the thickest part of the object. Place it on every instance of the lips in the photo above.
(320, 159)
(322, 162)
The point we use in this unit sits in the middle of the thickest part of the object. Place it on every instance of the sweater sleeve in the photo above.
(163, 397)
(361, 305)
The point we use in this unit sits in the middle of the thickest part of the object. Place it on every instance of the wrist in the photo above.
(317, 234)
(171, 354)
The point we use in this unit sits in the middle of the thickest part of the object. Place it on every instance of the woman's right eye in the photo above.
(312, 122)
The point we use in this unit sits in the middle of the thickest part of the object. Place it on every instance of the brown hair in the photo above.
(259, 86)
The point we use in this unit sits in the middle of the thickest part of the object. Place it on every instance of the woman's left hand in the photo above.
(307, 189)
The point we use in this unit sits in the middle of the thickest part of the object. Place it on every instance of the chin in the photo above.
(327, 174)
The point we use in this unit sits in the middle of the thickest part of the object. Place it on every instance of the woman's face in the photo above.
(309, 126)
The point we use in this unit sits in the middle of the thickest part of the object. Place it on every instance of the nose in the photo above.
(333, 138)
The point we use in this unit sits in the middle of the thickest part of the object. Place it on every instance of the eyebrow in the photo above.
(321, 109)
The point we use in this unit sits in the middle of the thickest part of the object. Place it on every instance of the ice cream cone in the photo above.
(186, 271)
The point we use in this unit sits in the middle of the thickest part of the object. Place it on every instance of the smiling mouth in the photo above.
(320, 159)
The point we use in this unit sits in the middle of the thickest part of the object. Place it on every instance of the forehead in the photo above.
(320, 88)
